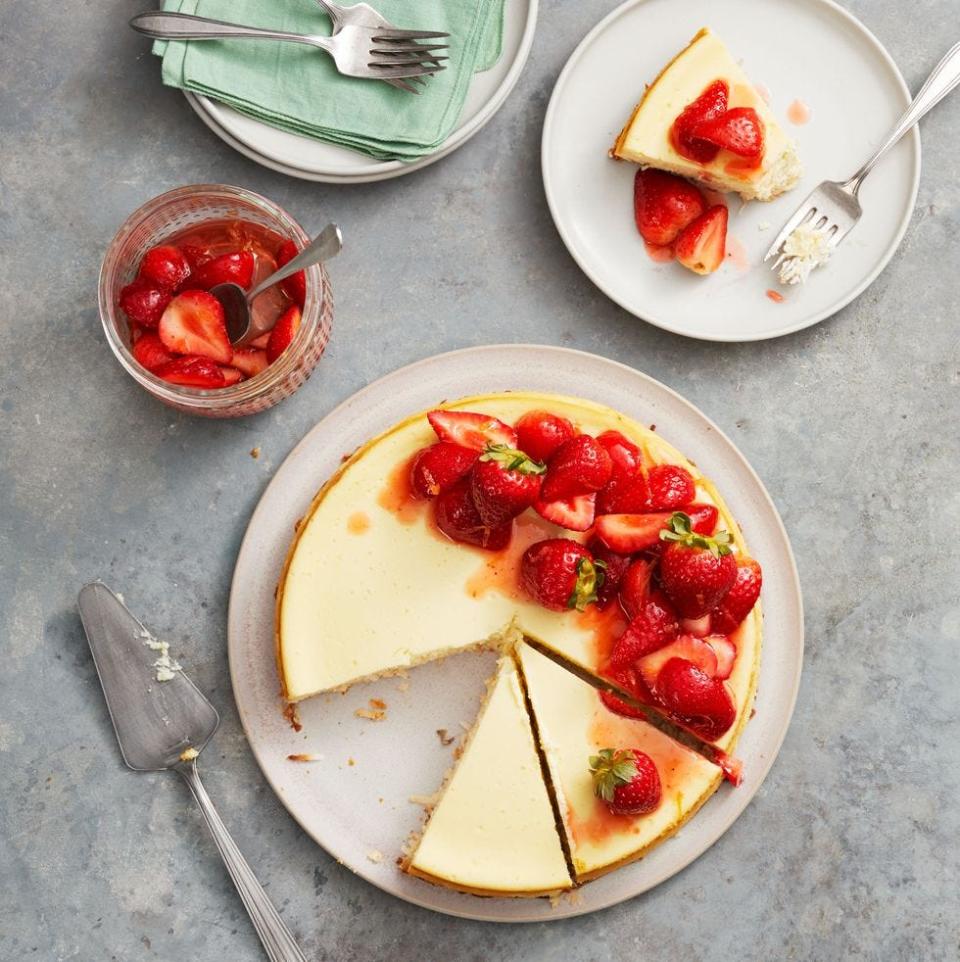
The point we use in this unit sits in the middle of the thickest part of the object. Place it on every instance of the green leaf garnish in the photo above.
(590, 578)
(512, 459)
(679, 529)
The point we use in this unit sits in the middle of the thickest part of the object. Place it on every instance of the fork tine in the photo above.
(429, 62)
(390, 35)
(393, 71)
(402, 49)
(801, 215)
(402, 85)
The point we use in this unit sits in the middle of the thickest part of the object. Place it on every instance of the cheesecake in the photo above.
(493, 831)
(651, 136)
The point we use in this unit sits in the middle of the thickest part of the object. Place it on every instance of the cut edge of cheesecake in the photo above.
(783, 173)
(508, 665)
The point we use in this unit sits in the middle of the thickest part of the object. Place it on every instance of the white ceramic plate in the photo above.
(314, 160)
(354, 810)
(811, 50)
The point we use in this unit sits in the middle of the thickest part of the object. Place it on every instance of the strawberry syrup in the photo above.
(799, 113)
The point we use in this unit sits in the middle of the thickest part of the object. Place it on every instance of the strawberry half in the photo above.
(457, 517)
(283, 333)
(710, 104)
(696, 571)
(726, 652)
(702, 246)
(471, 430)
(739, 130)
(699, 702)
(143, 303)
(694, 650)
(624, 454)
(164, 267)
(439, 467)
(150, 352)
(295, 286)
(540, 433)
(635, 587)
(663, 204)
(560, 574)
(631, 682)
(740, 599)
(616, 566)
(629, 533)
(579, 466)
(703, 517)
(249, 361)
(574, 514)
(193, 323)
(671, 487)
(654, 626)
(627, 780)
(236, 268)
(625, 495)
(230, 375)
(192, 371)
(504, 482)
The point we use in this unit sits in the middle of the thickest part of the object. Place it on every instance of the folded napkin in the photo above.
(297, 88)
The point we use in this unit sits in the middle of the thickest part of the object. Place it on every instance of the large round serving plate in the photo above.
(354, 800)
(315, 160)
(808, 50)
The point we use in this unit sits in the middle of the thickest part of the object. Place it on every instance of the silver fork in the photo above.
(363, 15)
(834, 207)
(357, 51)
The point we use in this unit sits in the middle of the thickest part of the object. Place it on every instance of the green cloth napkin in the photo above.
(297, 88)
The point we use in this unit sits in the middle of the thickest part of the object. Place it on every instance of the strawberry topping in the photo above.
(143, 303)
(561, 574)
(471, 430)
(164, 267)
(712, 103)
(663, 204)
(150, 352)
(579, 466)
(236, 268)
(629, 533)
(702, 246)
(193, 323)
(627, 780)
(192, 371)
(283, 333)
(457, 517)
(540, 433)
(739, 130)
(504, 482)
(295, 286)
(740, 599)
(695, 700)
(696, 571)
(574, 514)
(439, 467)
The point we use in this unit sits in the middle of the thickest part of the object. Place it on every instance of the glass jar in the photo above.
(169, 214)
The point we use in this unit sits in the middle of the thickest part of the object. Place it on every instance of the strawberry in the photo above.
(574, 514)
(702, 245)
(143, 303)
(579, 466)
(698, 627)
(703, 517)
(654, 626)
(195, 256)
(627, 780)
(260, 342)
(230, 375)
(624, 454)
(694, 650)
(701, 703)
(540, 433)
(295, 286)
(696, 570)
(628, 533)
(671, 487)
(739, 130)
(505, 482)
(740, 599)
(193, 324)
(471, 430)
(249, 361)
(192, 371)
(439, 467)
(630, 681)
(150, 352)
(164, 267)
(726, 652)
(635, 587)
(624, 495)
(457, 517)
(711, 104)
(284, 331)
(616, 566)
(618, 706)
(663, 204)
(561, 574)
(236, 268)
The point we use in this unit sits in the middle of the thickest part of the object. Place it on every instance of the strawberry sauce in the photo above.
(358, 522)
(397, 496)
(799, 113)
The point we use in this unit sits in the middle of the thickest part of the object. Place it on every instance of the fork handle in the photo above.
(166, 25)
(944, 77)
(278, 943)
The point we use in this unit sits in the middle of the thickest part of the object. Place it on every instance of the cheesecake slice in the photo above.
(650, 137)
(493, 830)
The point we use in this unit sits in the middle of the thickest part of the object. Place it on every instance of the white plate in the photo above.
(810, 50)
(353, 810)
(314, 160)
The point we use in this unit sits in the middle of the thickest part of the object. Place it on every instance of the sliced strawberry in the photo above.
(671, 487)
(739, 130)
(283, 333)
(230, 375)
(615, 567)
(618, 706)
(295, 286)
(456, 516)
(624, 454)
(663, 204)
(540, 433)
(250, 361)
(236, 268)
(150, 352)
(629, 533)
(740, 599)
(471, 430)
(196, 256)
(192, 371)
(710, 104)
(164, 267)
(193, 323)
(698, 627)
(653, 627)
(439, 467)
(702, 246)
(579, 466)
(143, 303)
(630, 681)
(574, 514)
(691, 649)
(625, 495)
(699, 702)
(635, 587)
(260, 342)
(703, 517)
(726, 652)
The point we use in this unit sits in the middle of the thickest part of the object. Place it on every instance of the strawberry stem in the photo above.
(611, 768)
(679, 529)
(590, 578)
(512, 459)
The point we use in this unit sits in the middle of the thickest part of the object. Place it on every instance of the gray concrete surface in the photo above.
(851, 848)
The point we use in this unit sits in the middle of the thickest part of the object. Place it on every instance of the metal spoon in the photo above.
(242, 324)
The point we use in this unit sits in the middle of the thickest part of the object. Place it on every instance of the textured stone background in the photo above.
(851, 848)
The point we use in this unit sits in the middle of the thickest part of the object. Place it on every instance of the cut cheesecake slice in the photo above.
(573, 724)
(647, 136)
(493, 831)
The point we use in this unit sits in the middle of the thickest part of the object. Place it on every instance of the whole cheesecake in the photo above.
(648, 137)
(374, 585)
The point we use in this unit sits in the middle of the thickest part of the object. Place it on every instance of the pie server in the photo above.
(163, 726)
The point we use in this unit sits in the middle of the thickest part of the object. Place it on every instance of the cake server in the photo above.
(163, 726)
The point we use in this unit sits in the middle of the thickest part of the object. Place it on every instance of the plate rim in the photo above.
(838, 305)
(235, 626)
(207, 109)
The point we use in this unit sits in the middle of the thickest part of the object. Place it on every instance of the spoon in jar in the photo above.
(243, 324)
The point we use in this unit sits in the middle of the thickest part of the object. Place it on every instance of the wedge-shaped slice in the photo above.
(493, 832)
(646, 137)
(573, 724)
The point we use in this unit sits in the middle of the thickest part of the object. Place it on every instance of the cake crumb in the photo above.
(403, 685)
(189, 754)
(374, 715)
(465, 726)
(351, 762)
(292, 717)
(378, 703)
(255, 453)
(304, 757)
(375, 856)
(764, 225)
(166, 666)
(425, 800)
(445, 739)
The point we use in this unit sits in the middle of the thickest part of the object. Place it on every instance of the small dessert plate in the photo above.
(339, 776)
(311, 159)
(849, 92)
